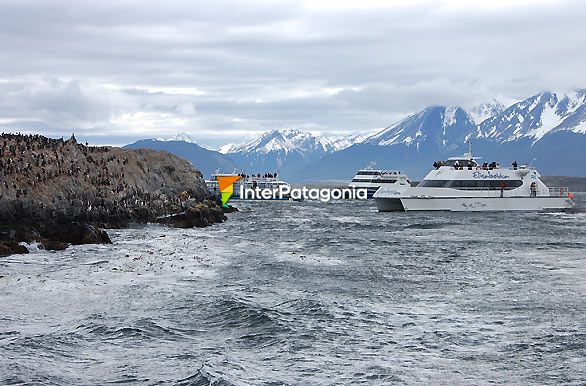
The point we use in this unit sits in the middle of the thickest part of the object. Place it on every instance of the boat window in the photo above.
(367, 173)
(433, 183)
(472, 184)
(485, 184)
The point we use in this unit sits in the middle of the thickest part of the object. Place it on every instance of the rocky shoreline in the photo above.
(58, 193)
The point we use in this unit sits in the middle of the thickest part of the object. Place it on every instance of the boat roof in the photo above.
(463, 157)
(380, 171)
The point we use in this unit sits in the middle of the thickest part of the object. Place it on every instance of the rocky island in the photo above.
(58, 192)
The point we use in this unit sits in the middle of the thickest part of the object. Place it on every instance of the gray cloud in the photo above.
(117, 71)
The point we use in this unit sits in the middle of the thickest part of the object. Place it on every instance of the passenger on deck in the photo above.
(533, 189)
(514, 165)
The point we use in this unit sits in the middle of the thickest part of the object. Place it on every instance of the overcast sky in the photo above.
(224, 71)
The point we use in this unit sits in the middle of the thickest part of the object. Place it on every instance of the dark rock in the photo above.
(77, 234)
(229, 209)
(79, 189)
(199, 216)
(11, 247)
(7, 234)
(51, 245)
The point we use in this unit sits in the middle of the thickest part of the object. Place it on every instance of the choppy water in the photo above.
(305, 293)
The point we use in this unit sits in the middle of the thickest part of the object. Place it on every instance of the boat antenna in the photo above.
(469, 141)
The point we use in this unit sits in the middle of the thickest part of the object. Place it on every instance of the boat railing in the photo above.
(480, 167)
(558, 191)
(262, 179)
(520, 168)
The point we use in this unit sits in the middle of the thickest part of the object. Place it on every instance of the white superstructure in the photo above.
(371, 180)
(462, 184)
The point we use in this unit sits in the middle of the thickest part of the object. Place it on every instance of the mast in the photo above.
(469, 140)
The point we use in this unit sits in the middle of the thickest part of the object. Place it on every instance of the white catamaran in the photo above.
(462, 184)
(373, 179)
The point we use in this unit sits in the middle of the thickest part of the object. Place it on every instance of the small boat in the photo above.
(373, 179)
(461, 184)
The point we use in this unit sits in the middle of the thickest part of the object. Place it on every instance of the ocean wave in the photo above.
(202, 378)
(233, 312)
(141, 329)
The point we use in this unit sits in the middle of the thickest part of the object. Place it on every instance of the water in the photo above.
(305, 293)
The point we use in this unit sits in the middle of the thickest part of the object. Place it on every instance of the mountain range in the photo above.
(207, 161)
(547, 130)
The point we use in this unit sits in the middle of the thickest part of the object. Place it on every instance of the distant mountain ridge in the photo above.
(285, 151)
(410, 145)
(436, 127)
(538, 116)
(207, 161)
(547, 130)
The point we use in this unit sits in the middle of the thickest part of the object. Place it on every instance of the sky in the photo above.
(225, 71)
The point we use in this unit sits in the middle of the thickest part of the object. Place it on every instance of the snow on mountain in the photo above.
(286, 151)
(227, 148)
(291, 140)
(179, 137)
(543, 127)
(332, 144)
(482, 112)
(538, 116)
(438, 127)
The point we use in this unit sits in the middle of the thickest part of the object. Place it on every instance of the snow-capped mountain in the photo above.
(285, 150)
(547, 130)
(290, 141)
(179, 137)
(483, 111)
(538, 116)
(333, 144)
(410, 145)
(434, 128)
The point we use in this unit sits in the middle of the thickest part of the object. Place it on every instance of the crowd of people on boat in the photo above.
(258, 175)
(471, 165)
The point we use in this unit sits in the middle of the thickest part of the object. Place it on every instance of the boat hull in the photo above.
(388, 198)
(486, 204)
(385, 204)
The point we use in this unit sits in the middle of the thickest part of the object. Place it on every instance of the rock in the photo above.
(11, 247)
(200, 216)
(77, 234)
(76, 190)
(229, 209)
(51, 245)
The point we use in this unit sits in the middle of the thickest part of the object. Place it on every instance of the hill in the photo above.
(207, 161)
(54, 191)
